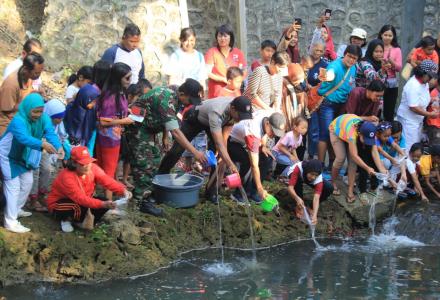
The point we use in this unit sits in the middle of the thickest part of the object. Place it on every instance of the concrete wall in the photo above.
(77, 32)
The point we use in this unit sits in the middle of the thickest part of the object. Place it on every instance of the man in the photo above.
(216, 118)
(365, 102)
(30, 46)
(248, 149)
(17, 86)
(159, 105)
(127, 51)
(339, 82)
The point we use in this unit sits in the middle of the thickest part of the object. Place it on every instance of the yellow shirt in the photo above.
(426, 165)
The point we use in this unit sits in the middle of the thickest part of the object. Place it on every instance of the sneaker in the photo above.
(402, 196)
(23, 213)
(66, 226)
(18, 228)
(410, 192)
(327, 175)
(238, 198)
(149, 208)
(212, 197)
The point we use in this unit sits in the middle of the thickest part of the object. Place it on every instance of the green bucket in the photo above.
(269, 203)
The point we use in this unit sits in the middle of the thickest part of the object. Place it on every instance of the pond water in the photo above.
(385, 266)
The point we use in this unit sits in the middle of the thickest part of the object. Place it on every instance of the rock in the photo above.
(126, 232)
(360, 212)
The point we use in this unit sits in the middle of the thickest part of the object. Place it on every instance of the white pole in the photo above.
(242, 30)
(183, 8)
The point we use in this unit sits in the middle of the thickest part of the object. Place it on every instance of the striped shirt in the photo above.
(267, 87)
(344, 127)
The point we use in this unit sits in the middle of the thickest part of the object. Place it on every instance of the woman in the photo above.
(323, 34)
(289, 43)
(71, 197)
(218, 59)
(265, 83)
(415, 100)
(370, 67)
(80, 118)
(56, 110)
(313, 79)
(393, 58)
(310, 173)
(186, 62)
(20, 149)
(358, 37)
(112, 114)
(350, 130)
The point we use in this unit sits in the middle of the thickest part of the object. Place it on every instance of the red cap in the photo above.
(81, 155)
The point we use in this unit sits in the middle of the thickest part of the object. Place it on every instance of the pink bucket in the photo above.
(233, 181)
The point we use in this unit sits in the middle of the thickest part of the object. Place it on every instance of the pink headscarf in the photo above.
(329, 46)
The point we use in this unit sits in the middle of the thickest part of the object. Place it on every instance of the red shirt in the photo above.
(433, 121)
(255, 65)
(220, 65)
(298, 173)
(68, 185)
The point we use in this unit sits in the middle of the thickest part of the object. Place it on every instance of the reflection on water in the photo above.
(340, 270)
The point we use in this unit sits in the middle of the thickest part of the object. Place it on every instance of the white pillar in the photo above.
(242, 30)
(183, 8)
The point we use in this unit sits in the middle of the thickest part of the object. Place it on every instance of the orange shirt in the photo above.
(220, 65)
(420, 55)
(225, 92)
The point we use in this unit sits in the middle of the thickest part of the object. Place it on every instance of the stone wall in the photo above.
(266, 20)
(432, 17)
(77, 32)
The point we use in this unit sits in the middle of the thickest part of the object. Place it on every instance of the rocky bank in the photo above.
(139, 243)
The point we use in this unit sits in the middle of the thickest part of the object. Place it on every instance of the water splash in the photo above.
(222, 250)
(306, 219)
(251, 229)
(219, 269)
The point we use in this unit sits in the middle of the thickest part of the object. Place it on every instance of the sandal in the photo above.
(336, 192)
(35, 205)
(128, 185)
(350, 199)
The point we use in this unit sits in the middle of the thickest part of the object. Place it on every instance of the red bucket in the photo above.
(233, 181)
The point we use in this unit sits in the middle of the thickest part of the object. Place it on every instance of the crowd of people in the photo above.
(293, 115)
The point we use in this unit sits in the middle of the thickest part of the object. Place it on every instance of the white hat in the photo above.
(360, 33)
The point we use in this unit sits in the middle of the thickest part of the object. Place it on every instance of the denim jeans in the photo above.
(313, 135)
(327, 112)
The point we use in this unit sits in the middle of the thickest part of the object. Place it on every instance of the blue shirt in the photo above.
(341, 94)
(388, 148)
(312, 77)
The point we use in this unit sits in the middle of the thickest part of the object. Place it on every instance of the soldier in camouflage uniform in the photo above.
(160, 107)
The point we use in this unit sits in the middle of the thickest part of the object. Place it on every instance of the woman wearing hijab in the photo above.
(56, 110)
(20, 149)
(310, 173)
(370, 67)
(289, 43)
(323, 34)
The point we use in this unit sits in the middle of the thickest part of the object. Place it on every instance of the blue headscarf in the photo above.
(80, 121)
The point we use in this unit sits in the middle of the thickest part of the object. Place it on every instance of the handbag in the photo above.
(32, 158)
(314, 99)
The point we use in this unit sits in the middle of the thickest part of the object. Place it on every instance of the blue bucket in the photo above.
(178, 191)
(210, 157)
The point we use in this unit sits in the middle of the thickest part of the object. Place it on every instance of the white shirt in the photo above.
(14, 66)
(71, 91)
(133, 59)
(414, 94)
(183, 65)
(250, 132)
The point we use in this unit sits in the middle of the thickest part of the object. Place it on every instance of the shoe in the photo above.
(66, 226)
(236, 196)
(402, 196)
(23, 213)
(212, 197)
(410, 192)
(327, 175)
(149, 208)
(18, 228)
(256, 198)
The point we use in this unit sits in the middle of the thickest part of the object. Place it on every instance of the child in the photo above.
(285, 150)
(134, 91)
(429, 167)
(389, 148)
(310, 173)
(413, 169)
(145, 86)
(434, 123)
(425, 52)
(44, 175)
(268, 48)
(235, 79)
(78, 80)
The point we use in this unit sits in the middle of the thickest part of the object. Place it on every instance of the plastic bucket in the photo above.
(211, 159)
(177, 191)
(233, 181)
(269, 203)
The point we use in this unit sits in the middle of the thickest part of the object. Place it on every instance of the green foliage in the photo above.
(2, 241)
(100, 235)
